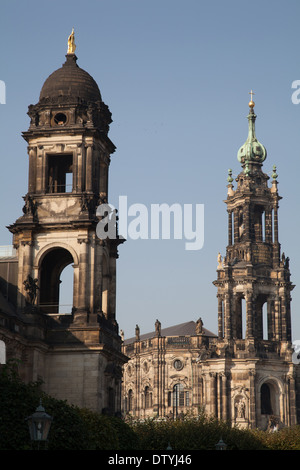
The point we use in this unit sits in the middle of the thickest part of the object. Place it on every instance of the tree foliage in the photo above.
(72, 428)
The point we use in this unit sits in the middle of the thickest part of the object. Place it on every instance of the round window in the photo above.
(178, 364)
(60, 119)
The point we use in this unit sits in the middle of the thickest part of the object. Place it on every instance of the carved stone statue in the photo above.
(30, 207)
(137, 332)
(220, 263)
(158, 328)
(199, 326)
(240, 409)
(31, 288)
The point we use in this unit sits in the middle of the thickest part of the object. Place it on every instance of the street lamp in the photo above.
(39, 424)
(221, 445)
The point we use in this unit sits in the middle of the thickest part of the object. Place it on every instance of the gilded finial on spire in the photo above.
(251, 102)
(71, 43)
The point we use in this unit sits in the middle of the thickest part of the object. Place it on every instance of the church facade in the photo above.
(245, 373)
(76, 353)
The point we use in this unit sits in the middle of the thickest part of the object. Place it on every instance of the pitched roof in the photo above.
(183, 329)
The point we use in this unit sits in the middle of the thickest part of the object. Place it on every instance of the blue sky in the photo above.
(176, 77)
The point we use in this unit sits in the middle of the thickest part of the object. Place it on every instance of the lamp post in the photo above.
(221, 445)
(39, 425)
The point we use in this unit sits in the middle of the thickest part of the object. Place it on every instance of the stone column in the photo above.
(32, 169)
(249, 315)
(213, 397)
(39, 169)
(45, 172)
(277, 318)
(292, 400)
(80, 175)
(219, 396)
(268, 226)
(112, 288)
(137, 397)
(276, 248)
(98, 270)
(288, 317)
(229, 227)
(246, 214)
(283, 317)
(227, 317)
(252, 403)
(83, 275)
(224, 396)
(89, 168)
(220, 316)
(276, 223)
(236, 225)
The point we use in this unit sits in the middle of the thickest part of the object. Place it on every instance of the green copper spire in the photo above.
(252, 151)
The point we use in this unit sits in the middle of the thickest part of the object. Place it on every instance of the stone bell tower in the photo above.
(254, 293)
(69, 156)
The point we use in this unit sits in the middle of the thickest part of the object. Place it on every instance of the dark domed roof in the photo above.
(71, 81)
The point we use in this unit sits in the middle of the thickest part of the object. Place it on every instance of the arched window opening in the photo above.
(261, 317)
(180, 398)
(241, 225)
(239, 317)
(51, 268)
(130, 400)
(148, 397)
(265, 399)
(2, 353)
(66, 290)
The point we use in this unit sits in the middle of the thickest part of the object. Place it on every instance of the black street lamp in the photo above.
(39, 425)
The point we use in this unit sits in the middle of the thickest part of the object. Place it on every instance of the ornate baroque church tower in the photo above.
(77, 355)
(245, 374)
(254, 294)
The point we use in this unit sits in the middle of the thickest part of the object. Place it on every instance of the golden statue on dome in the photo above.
(71, 43)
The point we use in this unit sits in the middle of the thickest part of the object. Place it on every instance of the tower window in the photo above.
(52, 265)
(60, 168)
(60, 119)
